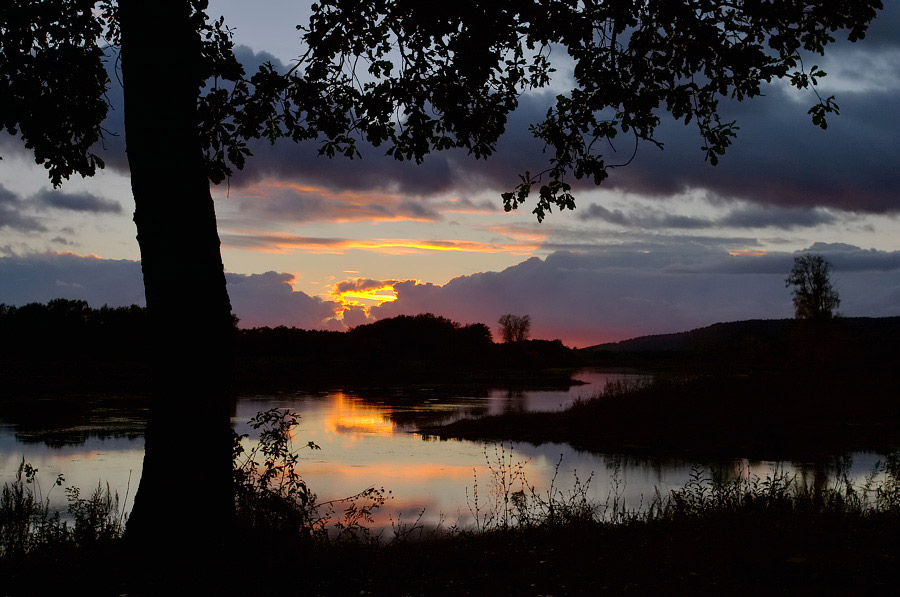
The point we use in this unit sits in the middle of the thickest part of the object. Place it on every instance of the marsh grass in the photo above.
(511, 501)
(508, 501)
(28, 525)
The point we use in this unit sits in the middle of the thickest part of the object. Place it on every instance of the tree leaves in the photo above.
(458, 71)
(814, 296)
(417, 77)
(52, 82)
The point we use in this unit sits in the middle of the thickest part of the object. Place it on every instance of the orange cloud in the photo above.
(87, 256)
(403, 245)
(748, 252)
(520, 233)
(283, 243)
(352, 206)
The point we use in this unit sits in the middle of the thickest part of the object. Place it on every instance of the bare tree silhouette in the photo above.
(515, 328)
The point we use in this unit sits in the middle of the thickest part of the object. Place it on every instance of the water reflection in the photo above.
(350, 415)
(369, 438)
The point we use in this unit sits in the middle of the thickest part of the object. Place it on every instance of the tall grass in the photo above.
(28, 525)
(513, 502)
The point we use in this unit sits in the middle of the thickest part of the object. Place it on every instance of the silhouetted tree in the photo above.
(52, 86)
(814, 296)
(453, 70)
(514, 328)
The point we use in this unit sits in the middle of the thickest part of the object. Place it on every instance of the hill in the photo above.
(864, 342)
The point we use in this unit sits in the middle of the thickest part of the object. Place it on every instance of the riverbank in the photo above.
(763, 416)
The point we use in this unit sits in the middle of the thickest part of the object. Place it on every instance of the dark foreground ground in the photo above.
(726, 554)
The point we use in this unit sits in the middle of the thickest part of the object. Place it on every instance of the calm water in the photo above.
(367, 439)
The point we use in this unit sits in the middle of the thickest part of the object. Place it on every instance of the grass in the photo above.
(716, 535)
(28, 526)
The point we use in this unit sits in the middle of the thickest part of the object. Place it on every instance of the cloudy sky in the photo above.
(669, 243)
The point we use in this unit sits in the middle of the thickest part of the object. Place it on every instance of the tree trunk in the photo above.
(184, 505)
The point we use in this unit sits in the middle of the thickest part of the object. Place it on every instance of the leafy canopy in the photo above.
(417, 77)
(425, 75)
(814, 296)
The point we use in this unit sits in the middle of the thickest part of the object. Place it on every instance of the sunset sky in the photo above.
(669, 243)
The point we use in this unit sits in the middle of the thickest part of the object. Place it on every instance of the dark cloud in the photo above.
(746, 216)
(11, 215)
(84, 202)
(464, 204)
(13, 208)
(761, 216)
(257, 299)
(644, 219)
(883, 32)
(45, 276)
(847, 258)
(619, 293)
(779, 157)
(269, 300)
(354, 316)
(580, 240)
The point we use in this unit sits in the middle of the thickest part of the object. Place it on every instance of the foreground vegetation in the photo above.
(716, 535)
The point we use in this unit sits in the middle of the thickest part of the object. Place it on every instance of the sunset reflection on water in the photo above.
(351, 416)
(370, 440)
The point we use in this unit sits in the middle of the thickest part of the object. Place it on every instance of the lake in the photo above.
(368, 438)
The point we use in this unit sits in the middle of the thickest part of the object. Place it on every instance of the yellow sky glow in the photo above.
(748, 253)
(368, 296)
(355, 298)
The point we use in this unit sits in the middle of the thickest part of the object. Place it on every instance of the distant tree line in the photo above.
(405, 337)
(68, 339)
(69, 328)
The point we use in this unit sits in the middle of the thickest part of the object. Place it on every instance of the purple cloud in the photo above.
(592, 297)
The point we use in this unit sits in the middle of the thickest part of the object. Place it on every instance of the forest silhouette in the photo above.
(405, 349)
